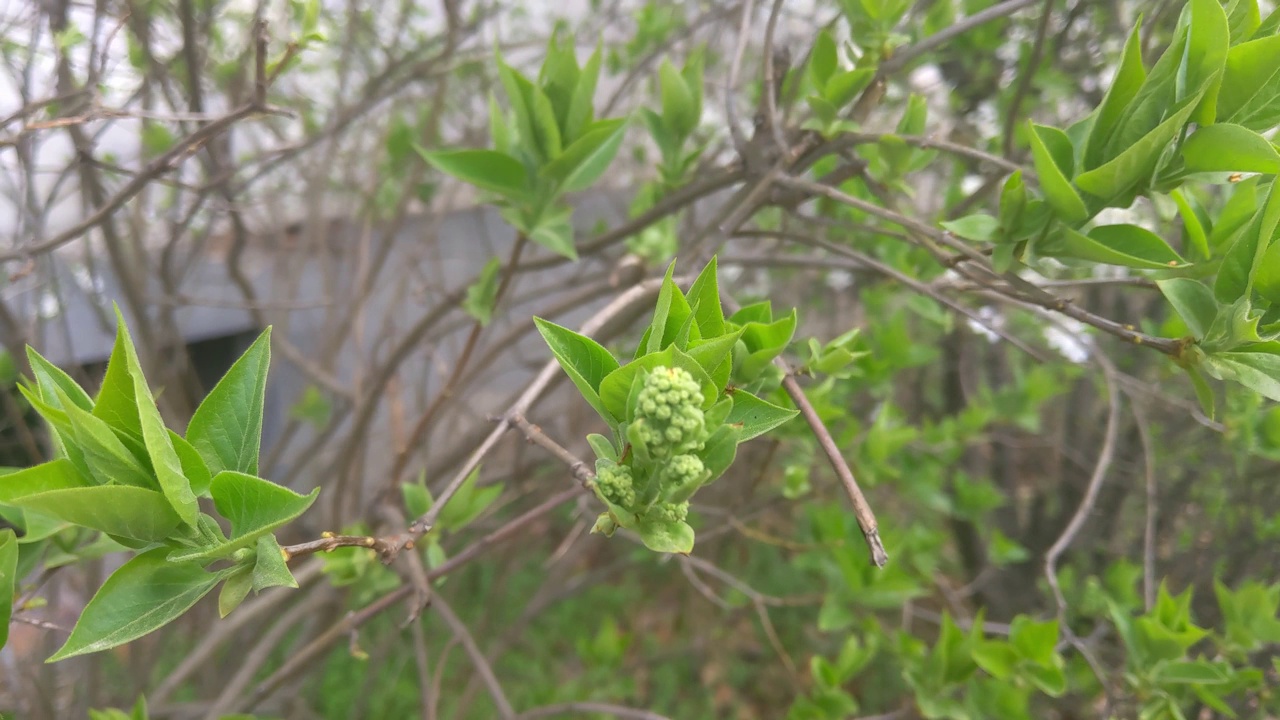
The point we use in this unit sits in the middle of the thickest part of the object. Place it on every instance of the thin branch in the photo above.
(1152, 508)
(463, 635)
(617, 711)
(903, 57)
(735, 71)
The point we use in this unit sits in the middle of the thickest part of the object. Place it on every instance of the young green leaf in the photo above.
(1266, 276)
(142, 596)
(1127, 245)
(48, 376)
(704, 299)
(583, 162)
(1054, 173)
(227, 427)
(712, 354)
(666, 536)
(115, 403)
(1208, 37)
(1035, 641)
(979, 227)
(1259, 372)
(108, 458)
(616, 387)
(468, 503)
(584, 360)
(1229, 148)
(1235, 274)
(1117, 179)
(1193, 302)
(1242, 19)
(677, 101)
(482, 293)
(254, 506)
(1250, 92)
(234, 590)
(8, 580)
(486, 169)
(602, 447)
(669, 296)
(270, 568)
(155, 436)
(121, 511)
(581, 105)
(193, 467)
(755, 416)
(823, 59)
(1193, 225)
(555, 233)
(1124, 88)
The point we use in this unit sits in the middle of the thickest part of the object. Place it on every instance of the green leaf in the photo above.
(677, 102)
(615, 388)
(1229, 148)
(468, 502)
(1130, 76)
(1193, 301)
(1204, 393)
(254, 506)
(519, 91)
(48, 377)
(979, 227)
(1191, 672)
(1235, 274)
(719, 451)
(155, 436)
(1127, 245)
(583, 162)
(602, 447)
(1259, 372)
(555, 233)
(499, 133)
(755, 416)
(1243, 18)
(823, 59)
(270, 568)
(1117, 179)
(483, 293)
(1193, 226)
(666, 537)
(764, 342)
(1208, 37)
(1054, 167)
(119, 510)
(997, 658)
(667, 294)
(143, 595)
(417, 497)
(1251, 85)
(234, 590)
(712, 354)
(1239, 209)
(8, 580)
(486, 169)
(843, 87)
(193, 467)
(546, 127)
(1266, 274)
(108, 458)
(1051, 679)
(115, 403)
(704, 299)
(581, 106)
(227, 427)
(1035, 641)
(584, 360)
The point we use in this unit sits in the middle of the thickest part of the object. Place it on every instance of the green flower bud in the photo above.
(669, 403)
(616, 485)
